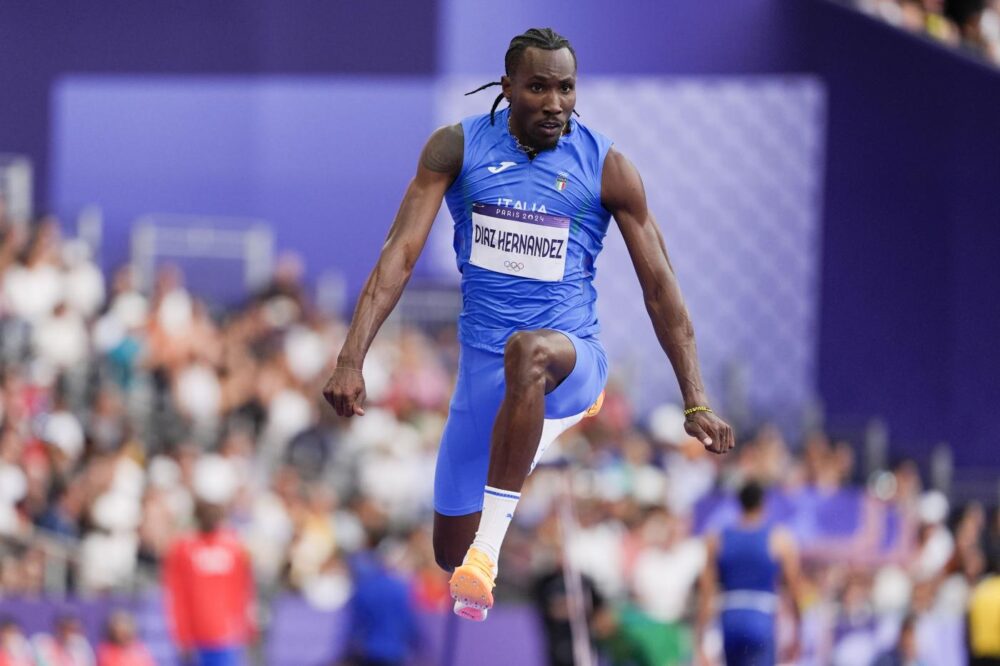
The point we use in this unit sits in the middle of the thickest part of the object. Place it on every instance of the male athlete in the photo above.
(530, 190)
(746, 563)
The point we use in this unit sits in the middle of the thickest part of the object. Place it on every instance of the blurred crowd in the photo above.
(67, 644)
(971, 25)
(878, 556)
(112, 395)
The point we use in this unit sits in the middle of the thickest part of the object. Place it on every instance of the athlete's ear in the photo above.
(506, 85)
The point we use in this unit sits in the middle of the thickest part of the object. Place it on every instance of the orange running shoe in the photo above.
(472, 585)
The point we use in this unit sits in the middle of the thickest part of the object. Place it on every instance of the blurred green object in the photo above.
(642, 641)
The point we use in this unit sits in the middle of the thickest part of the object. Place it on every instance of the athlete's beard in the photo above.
(530, 150)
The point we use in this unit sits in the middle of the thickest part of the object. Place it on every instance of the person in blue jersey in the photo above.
(744, 566)
(531, 191)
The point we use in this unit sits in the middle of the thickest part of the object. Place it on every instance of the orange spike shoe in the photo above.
(472, 585)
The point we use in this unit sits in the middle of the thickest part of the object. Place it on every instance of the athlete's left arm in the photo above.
(623, 195)
(708, 588)
(786, 551)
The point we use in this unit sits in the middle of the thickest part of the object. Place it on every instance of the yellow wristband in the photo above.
(700, 408)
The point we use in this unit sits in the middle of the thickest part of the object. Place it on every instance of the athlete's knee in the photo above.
(526, 357)
(452, 537)
(446, 561)
(448, 554)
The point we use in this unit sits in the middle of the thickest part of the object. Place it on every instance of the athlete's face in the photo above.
(542, 94)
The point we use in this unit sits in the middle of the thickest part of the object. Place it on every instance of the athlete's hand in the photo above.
(710, 430)
(701, 657)
(345, 391)
(792, 652)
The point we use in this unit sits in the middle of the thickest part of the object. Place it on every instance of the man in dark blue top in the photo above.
(745, 565)
(382, 626)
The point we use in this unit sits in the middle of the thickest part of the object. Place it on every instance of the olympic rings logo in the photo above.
(515, 266)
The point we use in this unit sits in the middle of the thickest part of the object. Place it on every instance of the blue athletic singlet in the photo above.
(748, 576)
(527, 233)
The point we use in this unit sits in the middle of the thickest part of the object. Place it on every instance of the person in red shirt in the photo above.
(208, 579)
(121, 647)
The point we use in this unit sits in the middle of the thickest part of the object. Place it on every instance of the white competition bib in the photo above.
(519, 242)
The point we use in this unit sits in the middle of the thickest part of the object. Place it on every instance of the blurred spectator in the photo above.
(66, 646)
(666, 546)
(747, 563)
(597, 548)
(121, 646)
(549, 592)
(905, 651)
(108, 552)
(15, 650)
(855, 627)
(971, 25)
(286, 290)
(208, 578)
(430, 583)
(83, 279)
(984, 619)
(935, 544)
(33, 286)
(382, 622)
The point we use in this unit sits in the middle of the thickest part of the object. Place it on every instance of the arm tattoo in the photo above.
(444, 152)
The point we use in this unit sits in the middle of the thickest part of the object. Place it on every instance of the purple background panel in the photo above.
(325, 161)
(44, 40)
(637, 37)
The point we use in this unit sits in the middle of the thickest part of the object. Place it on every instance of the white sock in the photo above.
(498, 510)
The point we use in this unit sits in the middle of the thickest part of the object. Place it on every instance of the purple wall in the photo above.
(43, 40)
(910, 241)
(324, 160)
(689, 37)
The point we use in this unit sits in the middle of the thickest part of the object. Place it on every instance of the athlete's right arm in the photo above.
(440, 163)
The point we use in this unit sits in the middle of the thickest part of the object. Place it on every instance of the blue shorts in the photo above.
(748, 638)
(225, 656)
(465, 445)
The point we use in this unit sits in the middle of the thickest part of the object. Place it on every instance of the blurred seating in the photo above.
(972, 26)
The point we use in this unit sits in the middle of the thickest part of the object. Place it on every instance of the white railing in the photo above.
(15, 186)
(165, 237)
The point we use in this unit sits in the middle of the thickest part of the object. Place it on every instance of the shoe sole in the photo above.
(470, 588)
(470, 612)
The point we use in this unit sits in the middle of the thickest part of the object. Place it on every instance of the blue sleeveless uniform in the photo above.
(527, 235)
(748, 575)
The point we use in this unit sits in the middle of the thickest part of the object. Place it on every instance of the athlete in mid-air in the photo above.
(531, 191)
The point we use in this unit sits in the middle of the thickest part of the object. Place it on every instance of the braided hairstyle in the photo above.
(546, 39)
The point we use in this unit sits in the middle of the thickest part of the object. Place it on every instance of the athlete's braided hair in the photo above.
(540, 38)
